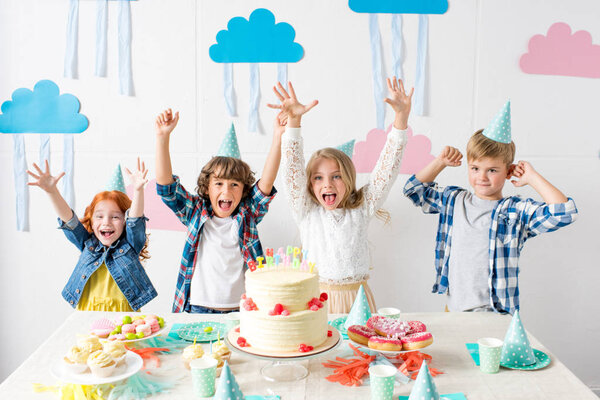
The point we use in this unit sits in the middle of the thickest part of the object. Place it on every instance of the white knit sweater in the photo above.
(336, 240)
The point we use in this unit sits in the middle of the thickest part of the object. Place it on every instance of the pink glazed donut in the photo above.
(389, 327)
(416, 327)
(385, 343)
(360, 334)
(416, 341)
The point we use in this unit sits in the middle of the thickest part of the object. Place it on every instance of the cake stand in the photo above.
(285, 368)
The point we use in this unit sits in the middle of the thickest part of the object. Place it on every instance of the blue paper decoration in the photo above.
(399, 6)
(255, 40)
(42, 111)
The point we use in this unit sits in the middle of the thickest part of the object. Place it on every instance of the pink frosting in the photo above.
(128, 328)
(362, 330)
(416, 327)
(381, 339)
(416, 337)
(154, 325)
(102, 333)
(389, 326)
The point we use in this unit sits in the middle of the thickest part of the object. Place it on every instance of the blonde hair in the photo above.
(225, 168)
(480, 146)
(353, 198)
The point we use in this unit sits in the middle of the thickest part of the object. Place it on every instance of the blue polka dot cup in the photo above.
(382, 379)
(490, 350)
(231, 320)
(204, 375)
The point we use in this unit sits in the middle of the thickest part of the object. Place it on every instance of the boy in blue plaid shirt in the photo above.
(481, 234)
(221, 218)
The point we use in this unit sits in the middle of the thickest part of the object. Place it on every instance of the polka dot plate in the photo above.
(196, 330)
(542, 360)
(338, 324)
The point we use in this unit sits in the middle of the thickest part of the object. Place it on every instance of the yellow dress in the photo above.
(101, 293)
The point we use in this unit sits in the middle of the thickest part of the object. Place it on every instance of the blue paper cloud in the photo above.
(399, 6)
(258, 39)
(44, 110)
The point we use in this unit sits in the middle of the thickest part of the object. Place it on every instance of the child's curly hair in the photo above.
(123, 202)
(480, 146)
(225, 168)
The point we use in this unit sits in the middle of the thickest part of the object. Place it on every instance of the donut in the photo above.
(389, 327)
(385, 343)
(416, 327)
(360, 334)
(416, 341)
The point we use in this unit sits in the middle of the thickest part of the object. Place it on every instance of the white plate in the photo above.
(384, 351)
(133, 363)
(158, 332)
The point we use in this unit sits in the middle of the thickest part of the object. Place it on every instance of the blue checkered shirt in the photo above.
(193, 211)
(513, 221)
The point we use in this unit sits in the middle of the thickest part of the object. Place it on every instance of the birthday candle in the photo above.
(286, 261)
(277, 259)
(269, 261)
(281, 252)
(296, 263)
(304, 254)
(260, 261)
(252, 265)
(269, 252)
(312, 265)
(296, 252)
(304, 265)
(289, 250)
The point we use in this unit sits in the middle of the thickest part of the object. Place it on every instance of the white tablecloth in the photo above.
(450, 330)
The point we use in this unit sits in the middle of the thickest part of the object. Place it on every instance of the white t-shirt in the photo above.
(218, 279)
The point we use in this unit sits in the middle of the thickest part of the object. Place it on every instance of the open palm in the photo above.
(398, 98)
(290, 106)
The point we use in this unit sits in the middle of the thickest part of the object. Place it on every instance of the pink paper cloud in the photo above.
(159, 215)
(416, 155)
(562, 53)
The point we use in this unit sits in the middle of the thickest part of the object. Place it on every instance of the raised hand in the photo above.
(44, 180)
(450, 157)
(398, 98)
(138, 178)
(290, 106)
(165, 122)
(525, 172)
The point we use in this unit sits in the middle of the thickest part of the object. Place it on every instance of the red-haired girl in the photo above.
(112, 239)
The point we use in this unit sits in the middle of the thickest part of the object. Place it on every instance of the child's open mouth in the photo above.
(106, 233)
(329, 198)
(225, 205)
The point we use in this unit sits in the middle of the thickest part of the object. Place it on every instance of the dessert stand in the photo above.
(285, 368)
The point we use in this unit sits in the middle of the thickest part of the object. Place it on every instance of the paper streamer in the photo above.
(282, 74)
(254, 97)
(68, 191)
(21, 188)
(397, 46)
(101, 34)
(228, 89)
(422, 44)
(70, 70)
(125, 74)
(378, 92)
(44, 149)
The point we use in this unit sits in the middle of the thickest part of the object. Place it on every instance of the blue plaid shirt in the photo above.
(513, 221)
(193, 211)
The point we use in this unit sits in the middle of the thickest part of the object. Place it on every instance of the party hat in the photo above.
(116, 181)
(228, 388)
(347, 147)
(424, 387)
(229, 146)
(499, 128)
(360, 311)
(516, 350)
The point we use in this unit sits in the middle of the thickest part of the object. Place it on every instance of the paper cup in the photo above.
(382, 381)
(390, 312)
(232, 320)
(204, 375)
(490, 350)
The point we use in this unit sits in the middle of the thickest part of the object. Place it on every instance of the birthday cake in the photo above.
(282, 310)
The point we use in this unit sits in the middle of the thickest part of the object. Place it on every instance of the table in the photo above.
(450, 330)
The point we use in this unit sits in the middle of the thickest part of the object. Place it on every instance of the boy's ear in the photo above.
(511, 170)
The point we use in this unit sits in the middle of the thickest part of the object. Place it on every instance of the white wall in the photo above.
(473, 69)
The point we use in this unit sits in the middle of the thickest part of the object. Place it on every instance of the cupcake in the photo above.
(222, 350)
(76, 360)
(190, 353)
(101, 364)
(116, 350)
(220, 362)
(90, 343)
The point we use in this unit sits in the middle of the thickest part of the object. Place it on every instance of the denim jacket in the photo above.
(121, 258)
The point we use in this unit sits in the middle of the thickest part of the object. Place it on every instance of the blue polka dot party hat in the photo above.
(347, 147)
(516, 350)
(499, 129)
(360, 311)
(424, 388)
(116, 181)
(229, 146)
(228, 388)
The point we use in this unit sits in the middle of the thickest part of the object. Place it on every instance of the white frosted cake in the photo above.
(282, 310)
